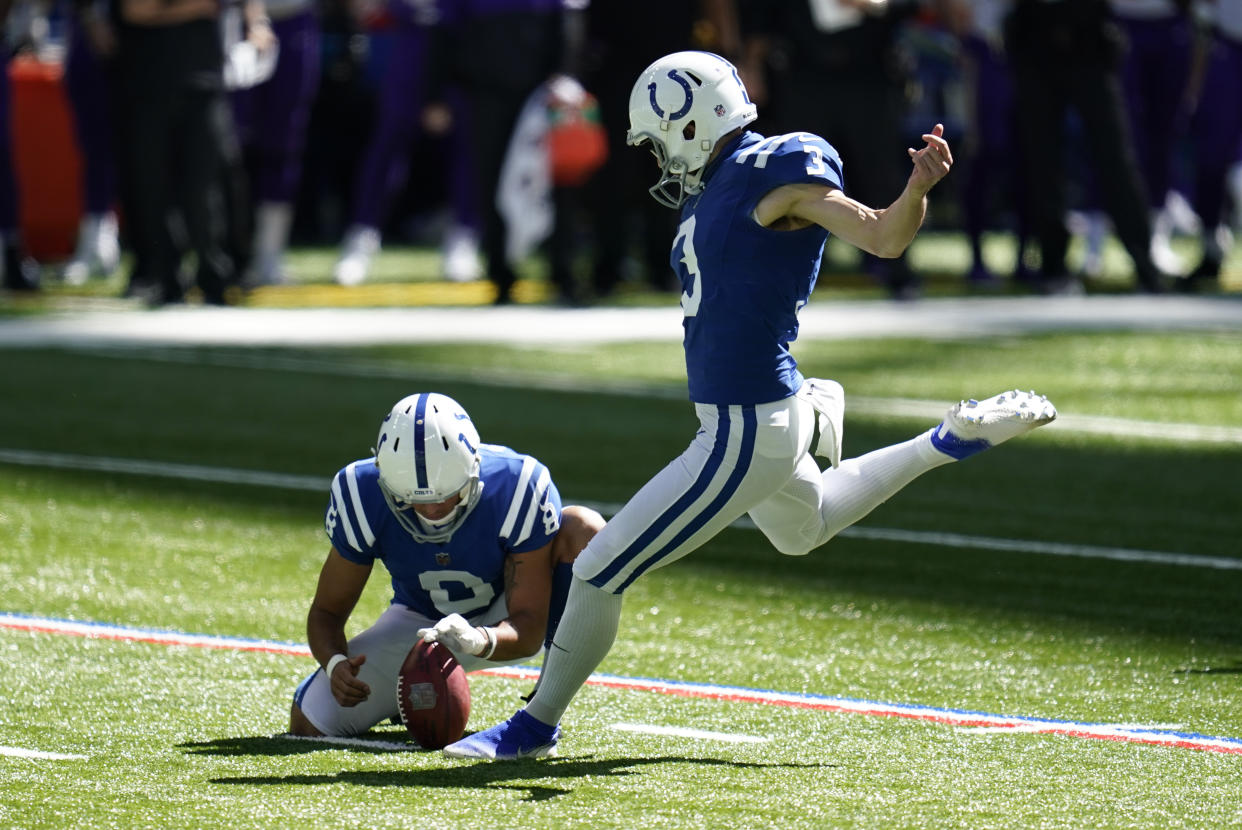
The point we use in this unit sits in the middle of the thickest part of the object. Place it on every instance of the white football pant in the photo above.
(745, 459)
(386, 644)
(748, 459)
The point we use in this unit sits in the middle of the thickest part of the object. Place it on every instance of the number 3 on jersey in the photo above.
(691, 297)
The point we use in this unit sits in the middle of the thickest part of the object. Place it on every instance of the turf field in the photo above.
(1046, 635)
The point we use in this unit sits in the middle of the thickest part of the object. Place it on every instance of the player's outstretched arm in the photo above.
(340, 585)
(903, 218)
(884, 232)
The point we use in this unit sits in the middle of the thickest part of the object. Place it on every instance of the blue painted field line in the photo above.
(701, 691)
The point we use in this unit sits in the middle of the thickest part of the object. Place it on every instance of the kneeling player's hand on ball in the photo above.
(460, 636)
(346, 687)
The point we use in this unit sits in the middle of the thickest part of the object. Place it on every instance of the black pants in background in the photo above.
(173, 140)
(504, 59)
(1064, 57)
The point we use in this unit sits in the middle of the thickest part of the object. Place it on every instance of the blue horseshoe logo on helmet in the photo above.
(685, 85)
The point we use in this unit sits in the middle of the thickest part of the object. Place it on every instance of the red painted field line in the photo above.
(1066, 729)
(92, 632)
(928, 715)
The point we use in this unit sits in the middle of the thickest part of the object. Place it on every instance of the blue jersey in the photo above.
(519, 510)
(743, 284)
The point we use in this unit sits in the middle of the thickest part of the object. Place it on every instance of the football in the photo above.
(433, 695)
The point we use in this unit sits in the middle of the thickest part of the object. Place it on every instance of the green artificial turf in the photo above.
(177, 736)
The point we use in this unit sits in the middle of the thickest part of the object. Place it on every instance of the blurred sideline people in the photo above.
(556, 146)
(631, 231)
(19, 272)
(1066, 56)
(177, 126)
(1217, 138)
(89, 53)
(843, 73)
(992, 177)
(1115, 71)
(404, 106)
(498, 52)
(272, 119)
(249, 61)
(336, 134)
(1155, 74)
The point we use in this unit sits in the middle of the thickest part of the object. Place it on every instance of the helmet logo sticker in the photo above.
(685, 85)
(462, 438)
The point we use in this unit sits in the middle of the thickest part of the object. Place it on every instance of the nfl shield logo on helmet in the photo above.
(443, 559)
(720, 110)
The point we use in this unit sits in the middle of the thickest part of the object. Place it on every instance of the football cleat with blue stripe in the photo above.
(973, 426)
(521, 736)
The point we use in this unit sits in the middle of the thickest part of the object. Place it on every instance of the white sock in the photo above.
(862, 484)
(88, 235)
(272, 221)
(586, 633)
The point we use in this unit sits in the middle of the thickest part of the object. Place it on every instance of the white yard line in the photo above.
(18, 752)
(226, 475)
(680, 732)
(912, 408)
(353, 743)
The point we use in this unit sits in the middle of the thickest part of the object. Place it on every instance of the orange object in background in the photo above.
(576, 142)
(46, 161)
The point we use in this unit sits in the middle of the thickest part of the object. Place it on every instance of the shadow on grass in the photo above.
(372, 743)
(506, 775)
(1234, 669)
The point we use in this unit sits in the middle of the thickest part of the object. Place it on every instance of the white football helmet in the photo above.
(683, 103)
(427, 452)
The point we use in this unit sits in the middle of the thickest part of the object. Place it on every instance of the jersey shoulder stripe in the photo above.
(355, 499)
(338, 515)
(527, 504)
(347, 523)
(760, 151)
(793, 157)
(536, 505)
(519, 495)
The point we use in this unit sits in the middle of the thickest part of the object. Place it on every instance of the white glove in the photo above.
(460, 636)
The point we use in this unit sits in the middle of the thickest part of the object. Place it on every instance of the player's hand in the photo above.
(932, 163)
(261, 36)
(460, 636)
(437, 118)
(346, 687)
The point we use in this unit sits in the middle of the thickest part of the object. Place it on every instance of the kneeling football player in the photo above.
(477, 544)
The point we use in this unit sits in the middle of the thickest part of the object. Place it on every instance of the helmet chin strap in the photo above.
(436, 525)
(440, 530)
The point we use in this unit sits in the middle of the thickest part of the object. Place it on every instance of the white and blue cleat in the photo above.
(521, 736)
(973, 426)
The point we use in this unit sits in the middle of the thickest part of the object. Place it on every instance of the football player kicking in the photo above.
(476, 542)
(755, 213)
